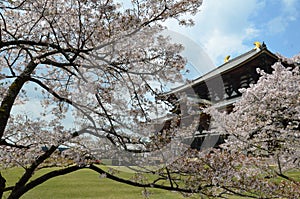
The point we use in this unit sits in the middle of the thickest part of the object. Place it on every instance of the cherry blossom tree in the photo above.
(263, 135)
(90, 72)
(97, 62)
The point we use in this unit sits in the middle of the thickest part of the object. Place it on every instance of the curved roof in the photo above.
(231, 64)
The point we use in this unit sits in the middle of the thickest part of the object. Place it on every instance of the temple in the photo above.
(220, 87)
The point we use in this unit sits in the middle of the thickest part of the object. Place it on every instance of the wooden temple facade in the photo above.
(220, 87)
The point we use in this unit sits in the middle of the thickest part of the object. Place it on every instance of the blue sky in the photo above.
(229, 27)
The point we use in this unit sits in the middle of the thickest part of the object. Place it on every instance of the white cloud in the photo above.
(219, 45)
(222, 27)
(199, 62)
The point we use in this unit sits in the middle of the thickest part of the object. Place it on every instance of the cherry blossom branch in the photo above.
(146, 185)
(59, 65)
(113, 131)
(18, 42)
(63, 99)
(16, 7)
(117, 65)
(5, 143)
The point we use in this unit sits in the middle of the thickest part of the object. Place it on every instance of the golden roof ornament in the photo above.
(257, 45)
(226, 59)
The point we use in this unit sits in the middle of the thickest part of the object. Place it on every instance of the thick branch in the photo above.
(2, 185)
(40, 43)
(60, 65)
(5, 143)
(10, 97)
(20, 185)
(48, 176)
(49, 90)
(137, 184)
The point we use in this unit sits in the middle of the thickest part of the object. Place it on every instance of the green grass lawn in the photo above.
(85, 184)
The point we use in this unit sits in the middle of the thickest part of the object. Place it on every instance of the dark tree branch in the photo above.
(137, 184)
(287, 178)
(5, 143)
(62, 99)
(10, 97)
(2, 185)
(49, 90)
(48, 176)
(169, 177)
(17, 42)
(238, 194)
(110, 120)
(59, 65)
(8, 189)
(16, 7)
(20, 185)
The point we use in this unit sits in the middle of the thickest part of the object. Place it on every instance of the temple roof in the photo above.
(228, 66)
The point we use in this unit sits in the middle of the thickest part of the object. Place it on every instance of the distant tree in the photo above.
(95, 59)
